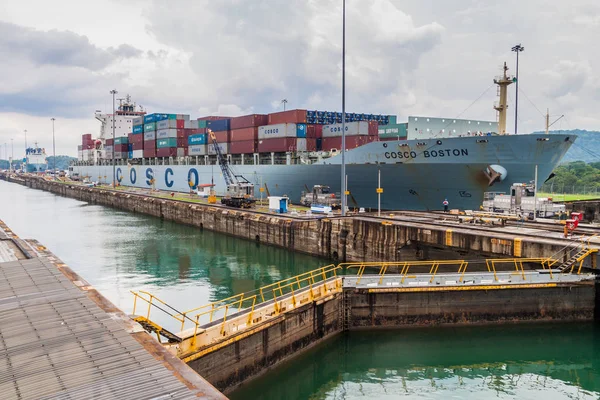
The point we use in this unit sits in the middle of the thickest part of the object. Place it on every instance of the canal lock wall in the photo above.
(338, 238)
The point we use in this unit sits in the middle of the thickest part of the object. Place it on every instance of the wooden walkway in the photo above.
(56, 341)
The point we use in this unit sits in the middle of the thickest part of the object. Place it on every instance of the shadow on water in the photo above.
(523, 361)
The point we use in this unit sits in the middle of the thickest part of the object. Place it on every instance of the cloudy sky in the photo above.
(61, 58)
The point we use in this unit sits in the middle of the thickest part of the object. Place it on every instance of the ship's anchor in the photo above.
(495, 173)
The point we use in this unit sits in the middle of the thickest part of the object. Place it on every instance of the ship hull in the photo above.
(416, 175)
(36, 167)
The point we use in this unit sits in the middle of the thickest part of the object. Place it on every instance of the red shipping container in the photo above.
(243, 135)
(311, 145)
(109, 142)
(311, 132)
(389, 139)
(277, 145)
(245, 147)
(373, 128)
(180, 124)
(121, 148)
(248, 121)
(138, 146)
(318, 131)
(149, 152)
(288, 117)
(182, 142)
(352, 142)
(167, 152)
(137, 138)
(222, 137)
(148, 144)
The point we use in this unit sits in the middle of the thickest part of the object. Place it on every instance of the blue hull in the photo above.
(415, 175)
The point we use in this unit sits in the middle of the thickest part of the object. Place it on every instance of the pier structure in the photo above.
(235, 339)
(61, 339)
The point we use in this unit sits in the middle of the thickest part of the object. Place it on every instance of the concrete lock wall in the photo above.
(428, 308)
(338, 238)
(271, 344)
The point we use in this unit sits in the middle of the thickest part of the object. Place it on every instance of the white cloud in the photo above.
(232, 57)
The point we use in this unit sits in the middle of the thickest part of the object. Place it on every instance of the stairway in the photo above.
(151, 327)
(567, 265)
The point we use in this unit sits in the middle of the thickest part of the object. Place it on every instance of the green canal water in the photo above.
(117, 252)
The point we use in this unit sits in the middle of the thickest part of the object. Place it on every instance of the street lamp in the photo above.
(517, 49)
(344, 200)
(53, 150)
(284, 102)
(113, 92)
(12, 153)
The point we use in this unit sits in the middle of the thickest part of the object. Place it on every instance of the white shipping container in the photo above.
(150, 135)
(224, 147)
(108, 148)
(185, 117)
(193, 124)
(197, 150)
(180, 152)
(138, 121)
(300, 144)
(166, 124)
(352, 129)
(138, 153)
(166, 133)
(276, 131)
(121, 155)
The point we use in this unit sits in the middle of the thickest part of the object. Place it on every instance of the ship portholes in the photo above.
(439, 142)
(385, 145)
(567, 138)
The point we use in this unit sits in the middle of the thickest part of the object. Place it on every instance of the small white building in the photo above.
(278, 204)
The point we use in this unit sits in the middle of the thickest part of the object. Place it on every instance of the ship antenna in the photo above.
(501, 106)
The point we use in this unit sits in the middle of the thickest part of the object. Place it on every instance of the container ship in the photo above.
(36, 159)
(421, 162)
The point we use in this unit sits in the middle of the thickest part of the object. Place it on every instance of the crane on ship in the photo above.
(240, 191)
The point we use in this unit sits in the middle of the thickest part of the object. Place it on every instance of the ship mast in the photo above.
(501, 107)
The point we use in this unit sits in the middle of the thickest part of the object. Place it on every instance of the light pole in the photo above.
(517, 49)
(284, 102)
(53, 150)
(12, 153)
(344, 108)
(113, 92)
(25, 169)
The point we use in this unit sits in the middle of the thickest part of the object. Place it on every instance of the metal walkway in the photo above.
(56, 343)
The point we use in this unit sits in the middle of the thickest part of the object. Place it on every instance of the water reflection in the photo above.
(514, 361)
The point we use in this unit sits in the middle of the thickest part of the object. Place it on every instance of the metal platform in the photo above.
(55, 342)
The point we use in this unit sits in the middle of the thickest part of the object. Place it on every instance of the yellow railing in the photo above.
(222, 309)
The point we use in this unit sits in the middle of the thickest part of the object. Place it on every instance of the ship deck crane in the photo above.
(240, 191)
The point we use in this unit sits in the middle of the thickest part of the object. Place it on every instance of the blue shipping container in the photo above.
(218, 125)
(122, 140)
(301, 130)
(161, 117)
(149, 118)
(197, 139)
(138, 129)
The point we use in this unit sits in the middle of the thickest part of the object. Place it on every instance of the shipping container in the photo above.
(288, 117)
(243, 147)
(149, 152)
(277, 131)
(150, 135)
(247, 121)
(171, 124)
(218, 125)
(318, 131)
(122, 155)
(149, 118)
(166, 152)
(110, 141)
(182, 152)
(197, 139)
(301, 130)
(243, 135)
(166, 133)
(393, 131)
(135, 138)
(306, 144)
(108, 148)
(138, 129)
(121, 147)
(137, 146)
(352, 129)
(182, 143)
(121, 140)
(210, 148)
(138, 121)
(150, 127)
(277, 145)
(137, 153)
(197, 150)
(162, 143)
(352, 142)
